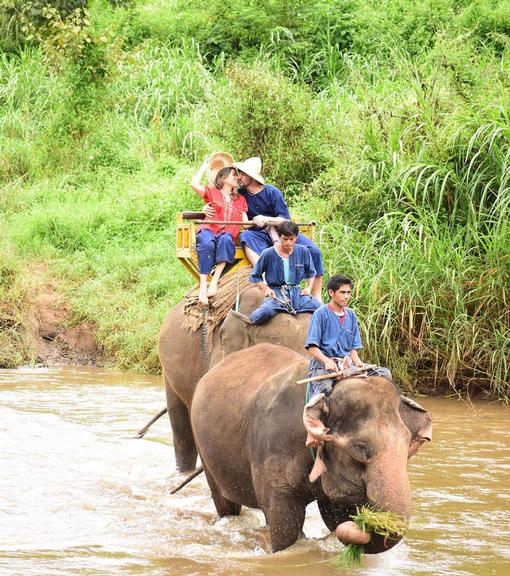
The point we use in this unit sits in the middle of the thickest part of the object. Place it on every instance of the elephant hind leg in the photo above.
(224, 507)
(184, 443)
(285, 517)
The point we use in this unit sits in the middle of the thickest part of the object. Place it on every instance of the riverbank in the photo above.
(46, 332)
(389, 126)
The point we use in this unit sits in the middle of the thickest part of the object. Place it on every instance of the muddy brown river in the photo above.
(80, 496)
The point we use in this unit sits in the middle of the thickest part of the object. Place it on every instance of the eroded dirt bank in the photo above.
(53, 337)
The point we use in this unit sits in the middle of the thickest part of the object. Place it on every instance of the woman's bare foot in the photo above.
(202, 296)
(213, 288)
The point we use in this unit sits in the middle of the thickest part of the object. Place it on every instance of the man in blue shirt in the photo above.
(333, 338)
(284, 266)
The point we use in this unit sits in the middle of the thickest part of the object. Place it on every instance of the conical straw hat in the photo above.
(252, 167)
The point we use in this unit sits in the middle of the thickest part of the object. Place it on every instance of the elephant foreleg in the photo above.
(184, 444)
(333, 515)
(224, 507)
(285, 517)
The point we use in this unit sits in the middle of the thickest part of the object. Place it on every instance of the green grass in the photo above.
(387, 524)
(389, 124)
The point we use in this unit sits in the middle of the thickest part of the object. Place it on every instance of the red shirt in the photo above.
(232, 211)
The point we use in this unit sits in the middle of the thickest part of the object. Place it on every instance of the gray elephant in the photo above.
(247, 416)
(183, 360)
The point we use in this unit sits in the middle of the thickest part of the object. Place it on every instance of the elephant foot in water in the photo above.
(184, 444)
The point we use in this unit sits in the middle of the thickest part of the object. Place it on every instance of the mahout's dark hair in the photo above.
(338, 280)
(288, 228)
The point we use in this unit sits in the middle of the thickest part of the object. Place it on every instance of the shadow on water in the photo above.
(81, 496)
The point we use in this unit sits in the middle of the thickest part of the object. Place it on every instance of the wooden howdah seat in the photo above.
(185, 249)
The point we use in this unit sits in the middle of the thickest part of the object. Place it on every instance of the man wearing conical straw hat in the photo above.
(266, 207)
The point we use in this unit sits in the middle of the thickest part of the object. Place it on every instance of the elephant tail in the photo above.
(194, 474)
(143, 431)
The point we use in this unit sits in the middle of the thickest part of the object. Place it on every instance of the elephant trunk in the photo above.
(389, 490)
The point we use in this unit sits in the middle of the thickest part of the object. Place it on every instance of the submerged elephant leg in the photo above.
(285, 518)
(224, 507)
(184, 444)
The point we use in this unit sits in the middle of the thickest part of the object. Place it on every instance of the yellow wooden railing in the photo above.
(186, 245)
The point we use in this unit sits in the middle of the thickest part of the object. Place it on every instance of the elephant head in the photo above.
(368, 433)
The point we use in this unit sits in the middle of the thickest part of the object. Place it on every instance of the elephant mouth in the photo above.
(350, 532)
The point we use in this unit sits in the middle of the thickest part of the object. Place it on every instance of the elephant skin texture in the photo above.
(247, 416)
(184, 363)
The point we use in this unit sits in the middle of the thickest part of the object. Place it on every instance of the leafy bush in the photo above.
(260, 113)
(18, 19)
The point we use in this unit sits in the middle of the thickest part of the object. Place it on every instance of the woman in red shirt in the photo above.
(216, 242)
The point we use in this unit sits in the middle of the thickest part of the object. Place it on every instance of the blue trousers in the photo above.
(297, 302)
(213, 248)
(257, 240)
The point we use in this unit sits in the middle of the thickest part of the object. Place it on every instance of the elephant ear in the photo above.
(419, 422)
(315, 411)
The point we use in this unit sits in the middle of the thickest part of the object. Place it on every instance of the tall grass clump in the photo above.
(259, 113)
(159, 93)
(114, 252)
(30, 98)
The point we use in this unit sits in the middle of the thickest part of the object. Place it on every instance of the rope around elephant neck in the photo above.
(204, 337)
(307, 398)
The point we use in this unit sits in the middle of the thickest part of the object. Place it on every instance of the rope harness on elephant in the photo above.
(204, 338)
(307, 399)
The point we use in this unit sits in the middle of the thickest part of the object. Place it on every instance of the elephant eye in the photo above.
(360, 451)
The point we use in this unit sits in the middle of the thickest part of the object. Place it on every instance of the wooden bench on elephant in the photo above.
(187, 224)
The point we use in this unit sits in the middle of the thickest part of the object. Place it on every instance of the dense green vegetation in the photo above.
(388, 122)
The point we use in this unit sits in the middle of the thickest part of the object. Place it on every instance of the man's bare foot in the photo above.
(213, 288)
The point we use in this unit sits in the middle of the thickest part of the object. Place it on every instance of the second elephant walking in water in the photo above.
(247, 420)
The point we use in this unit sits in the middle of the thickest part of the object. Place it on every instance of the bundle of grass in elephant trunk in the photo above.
(358, 532)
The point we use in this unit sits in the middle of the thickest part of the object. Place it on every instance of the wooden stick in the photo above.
(247, 223)
(320, 377)
(350, 373)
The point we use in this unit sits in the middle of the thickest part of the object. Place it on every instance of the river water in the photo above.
(80, 496)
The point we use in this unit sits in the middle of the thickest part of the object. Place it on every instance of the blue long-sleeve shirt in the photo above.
(333, 336)
(270, 262)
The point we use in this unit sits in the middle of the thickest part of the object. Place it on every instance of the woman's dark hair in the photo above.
(338, 280)
(288, 228)
(221, 176)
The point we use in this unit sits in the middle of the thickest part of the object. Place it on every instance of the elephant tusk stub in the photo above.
(350, 533)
